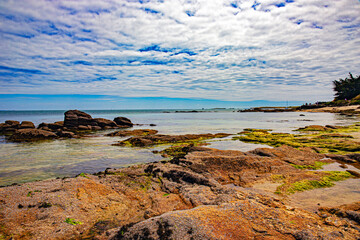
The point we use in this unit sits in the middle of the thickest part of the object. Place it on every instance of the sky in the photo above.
(180, 52)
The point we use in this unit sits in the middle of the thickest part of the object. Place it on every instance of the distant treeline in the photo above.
(347, 92)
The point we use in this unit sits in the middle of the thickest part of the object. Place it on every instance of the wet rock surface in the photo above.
(75, 118)
(28, 135)
(26, 124)
(150, 140)
(10, 126)
(136, 132)
(74, 125)
(123, 121)
(198, 196)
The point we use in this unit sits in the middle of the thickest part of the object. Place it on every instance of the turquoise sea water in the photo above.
(22, 162)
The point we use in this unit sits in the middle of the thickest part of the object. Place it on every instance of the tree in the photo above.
(347, 88)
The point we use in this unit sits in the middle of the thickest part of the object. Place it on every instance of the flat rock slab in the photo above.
(28, 135)
(136, 132)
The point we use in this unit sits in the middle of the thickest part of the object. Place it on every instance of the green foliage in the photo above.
(72, 221)
(29, 194)
(347, 88)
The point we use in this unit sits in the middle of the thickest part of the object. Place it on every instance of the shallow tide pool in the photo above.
(23, 162)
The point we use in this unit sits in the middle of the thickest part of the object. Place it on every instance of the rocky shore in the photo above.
(345, 110)
(195, 192)
(199, 193)
(75, 124)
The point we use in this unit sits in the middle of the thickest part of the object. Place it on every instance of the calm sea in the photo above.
(22, 162)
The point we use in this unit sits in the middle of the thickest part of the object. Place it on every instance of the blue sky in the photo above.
(219, 51)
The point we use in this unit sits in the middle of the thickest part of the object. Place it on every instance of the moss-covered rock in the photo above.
(321, 139)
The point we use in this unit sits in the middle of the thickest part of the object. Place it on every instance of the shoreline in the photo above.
(347, 110)
(174, 198)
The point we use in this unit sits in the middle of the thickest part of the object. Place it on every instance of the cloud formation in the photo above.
(213, 49)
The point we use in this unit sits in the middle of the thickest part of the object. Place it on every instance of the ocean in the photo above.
(23, 162)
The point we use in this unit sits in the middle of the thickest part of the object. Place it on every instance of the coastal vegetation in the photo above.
(347, 92)
(348, 88)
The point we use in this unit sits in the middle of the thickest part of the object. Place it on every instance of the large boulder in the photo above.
(105, 123)
(74, 118)
(123, 122)
(29, 135)
(26, 124)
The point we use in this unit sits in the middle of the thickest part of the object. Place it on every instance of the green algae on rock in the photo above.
(72, 221)
(146, 197)
(158, 139)
(317, 165)
(311, 180)
(322, 139)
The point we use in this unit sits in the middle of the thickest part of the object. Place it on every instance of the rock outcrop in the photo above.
(10, 126)
(66, 134)
(26, 124)
(136, 132)
(74, 125)
(150, 140)
(27, 135)
(123, 121)
(76, 118)
(105, 123)
(51, 126)
(142, 202)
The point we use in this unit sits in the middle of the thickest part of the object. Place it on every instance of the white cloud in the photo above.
(210, 49)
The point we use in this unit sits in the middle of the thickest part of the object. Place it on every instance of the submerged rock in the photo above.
(29, 135)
